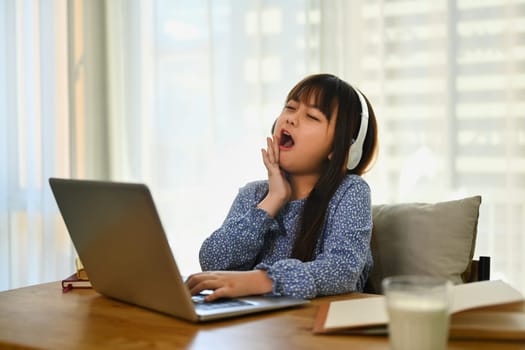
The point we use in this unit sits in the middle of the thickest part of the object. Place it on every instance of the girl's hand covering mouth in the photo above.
(279, 189)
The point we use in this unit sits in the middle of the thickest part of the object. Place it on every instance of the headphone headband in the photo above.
(356, 148)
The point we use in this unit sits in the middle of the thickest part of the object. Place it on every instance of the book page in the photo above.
(357, 313)
(484, 293)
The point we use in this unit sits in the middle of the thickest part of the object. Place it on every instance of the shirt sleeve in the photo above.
(238, 242)
(344, 260)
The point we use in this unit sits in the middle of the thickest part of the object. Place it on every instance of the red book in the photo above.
(74, 282)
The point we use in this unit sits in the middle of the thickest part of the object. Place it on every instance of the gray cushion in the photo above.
(423, 238)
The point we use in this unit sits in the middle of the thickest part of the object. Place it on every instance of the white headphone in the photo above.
(356, 148)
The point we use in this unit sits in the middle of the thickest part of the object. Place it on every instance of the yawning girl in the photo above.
(305, 231)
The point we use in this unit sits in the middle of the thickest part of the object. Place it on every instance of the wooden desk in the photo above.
(42, 317)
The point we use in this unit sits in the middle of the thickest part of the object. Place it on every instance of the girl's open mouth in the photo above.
(286, 140)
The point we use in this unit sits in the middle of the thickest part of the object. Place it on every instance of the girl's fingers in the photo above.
(275, 143)
(266, 159)
(270, 150)
(217, 294)
(210, 284)
(194, 280)
(273, 149)
(209, 281)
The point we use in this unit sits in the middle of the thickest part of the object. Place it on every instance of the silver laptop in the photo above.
(119, 238)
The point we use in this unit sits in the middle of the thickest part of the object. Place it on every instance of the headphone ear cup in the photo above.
(356, 148)
(353, 156)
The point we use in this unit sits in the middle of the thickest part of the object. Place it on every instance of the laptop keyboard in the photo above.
(199, 302)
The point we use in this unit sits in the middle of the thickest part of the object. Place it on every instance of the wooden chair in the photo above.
(479, 270)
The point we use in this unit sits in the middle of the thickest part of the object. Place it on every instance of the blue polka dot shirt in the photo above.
(250, 239)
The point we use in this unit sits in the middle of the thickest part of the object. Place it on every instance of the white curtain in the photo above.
(52, 123)
(34, 140)
(192, 87)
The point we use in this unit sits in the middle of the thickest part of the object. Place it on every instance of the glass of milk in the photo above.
(418, 312)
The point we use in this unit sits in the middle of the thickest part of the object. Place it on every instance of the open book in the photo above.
(369, 316)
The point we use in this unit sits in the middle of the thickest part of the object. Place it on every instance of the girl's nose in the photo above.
(291, 119)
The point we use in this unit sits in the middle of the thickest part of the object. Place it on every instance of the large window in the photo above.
(193, 87)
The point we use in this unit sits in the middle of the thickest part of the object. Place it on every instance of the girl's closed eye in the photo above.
(313, 117)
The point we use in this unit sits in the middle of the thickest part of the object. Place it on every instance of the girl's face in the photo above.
(306, 137)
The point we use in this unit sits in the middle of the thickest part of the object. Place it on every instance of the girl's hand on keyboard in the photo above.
(230, 284)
